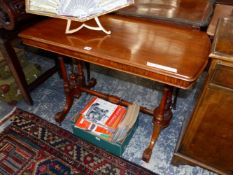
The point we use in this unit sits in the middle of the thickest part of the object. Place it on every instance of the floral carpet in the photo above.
(31, 145)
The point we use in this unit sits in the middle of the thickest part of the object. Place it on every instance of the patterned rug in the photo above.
(31, 145)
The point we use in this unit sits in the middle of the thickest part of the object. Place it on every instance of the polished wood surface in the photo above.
(136, 43)
(220, 11)
(171, 55)
(222, 45)
(195, 13)
(207, 139)
(226, 2)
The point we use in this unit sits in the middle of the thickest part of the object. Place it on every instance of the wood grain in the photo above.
(132, 45)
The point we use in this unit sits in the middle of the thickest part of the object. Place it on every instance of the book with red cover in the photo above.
(101, 117)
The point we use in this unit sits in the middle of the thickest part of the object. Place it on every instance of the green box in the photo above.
(114, 148)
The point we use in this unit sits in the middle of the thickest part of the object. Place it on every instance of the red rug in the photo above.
(31, 145)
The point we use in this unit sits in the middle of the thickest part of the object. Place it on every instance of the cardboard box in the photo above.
(114, 148)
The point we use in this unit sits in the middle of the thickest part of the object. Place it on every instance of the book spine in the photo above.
(116, 117)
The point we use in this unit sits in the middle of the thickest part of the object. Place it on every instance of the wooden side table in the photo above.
(207, 139)
(159, 52)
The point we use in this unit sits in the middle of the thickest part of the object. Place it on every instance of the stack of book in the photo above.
(106, 120)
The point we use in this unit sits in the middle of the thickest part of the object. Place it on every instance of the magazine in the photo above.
(101, 118)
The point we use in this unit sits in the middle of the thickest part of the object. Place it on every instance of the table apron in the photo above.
(133, 70)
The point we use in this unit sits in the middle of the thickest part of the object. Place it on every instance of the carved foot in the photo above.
(147, 154)
(60, 116)
(148, 151)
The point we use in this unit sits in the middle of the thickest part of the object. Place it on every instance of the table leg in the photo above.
(60, 116)
(162, 116)
(88, 71)
(82, 82)
(72, 86)
(177, 90)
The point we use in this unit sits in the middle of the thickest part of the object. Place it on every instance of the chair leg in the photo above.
(14, 65)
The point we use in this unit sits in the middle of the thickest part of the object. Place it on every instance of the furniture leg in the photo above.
(60, 116)
(57, 65)
(162, 116)
(88, 71)
(91, 82)
(80, 76)
(72, 85)
(176, 93)
(14, 65)
(77, 78)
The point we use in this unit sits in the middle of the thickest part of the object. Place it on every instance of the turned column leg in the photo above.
(60, 116)
(91, 82)
(162, 116)
(81, 77)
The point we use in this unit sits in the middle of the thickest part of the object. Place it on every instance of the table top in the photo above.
(195, 13)
(226, 2)
(222, 47)
(220, 11)
(160, 52)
